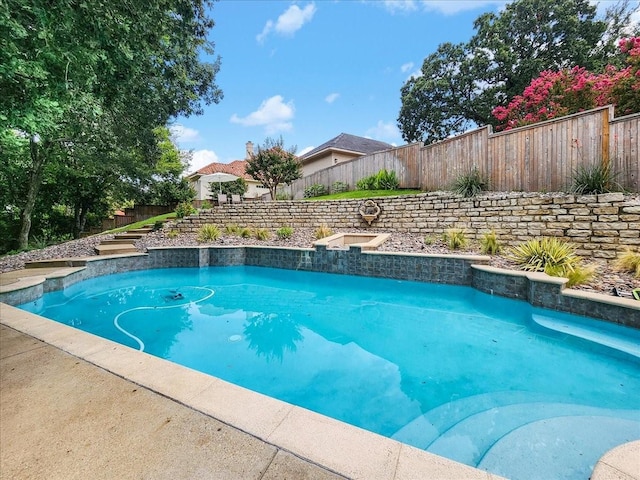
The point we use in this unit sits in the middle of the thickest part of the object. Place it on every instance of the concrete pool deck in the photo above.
(73, 405)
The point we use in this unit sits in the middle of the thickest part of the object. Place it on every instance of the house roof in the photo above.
(348, 143)
(237, 168)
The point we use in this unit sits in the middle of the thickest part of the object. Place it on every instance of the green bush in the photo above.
(208, 233)
(455, 238)
(386, 180)
(383, 180)
(262, 234)
(366, 183)
(471, 184)
(284, 232)
(594, 179)
(322, 231)
(245, 232)
(339, 187)
(315, 190)
(283, 196)
(185, 209)
(489, 243)
(553, 257)
(629, 262)
(206, 205)
(232, 229)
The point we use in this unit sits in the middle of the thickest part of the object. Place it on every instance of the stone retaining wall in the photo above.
(600, 225)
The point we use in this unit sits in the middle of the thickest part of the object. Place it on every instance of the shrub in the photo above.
(158, 225)
(185, 209)
(283, 196)
(245, 232)
(629, 262)
(262, 234)
(232, 229)
(322, 231)
(315, 190)
(594, 179)
(553, 257)
(366, 183)
(579, 274)
(284, 232)
(383, 180)
(455, 238)
(470, 184)
(208, 233)
(173, 233)
(206, 205)
(489, 243)
(339, 187)
(386, 180)
(428, 240)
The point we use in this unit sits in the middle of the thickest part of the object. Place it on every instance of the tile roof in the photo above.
(237, 168)
(351, 143)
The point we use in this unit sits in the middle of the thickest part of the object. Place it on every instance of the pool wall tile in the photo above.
(537, 288)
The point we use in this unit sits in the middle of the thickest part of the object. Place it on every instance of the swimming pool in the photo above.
(487, 381)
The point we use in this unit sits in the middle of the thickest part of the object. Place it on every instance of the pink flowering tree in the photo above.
(555, 94)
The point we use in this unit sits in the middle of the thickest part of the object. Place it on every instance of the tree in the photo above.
(557, 93)
(237, 187)
(461, 84)
(272, 165)
(79, 75)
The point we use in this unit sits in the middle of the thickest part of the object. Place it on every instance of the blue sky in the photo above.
(310, 70)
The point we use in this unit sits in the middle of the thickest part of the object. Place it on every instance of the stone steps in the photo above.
(116, 249)
(60, 262)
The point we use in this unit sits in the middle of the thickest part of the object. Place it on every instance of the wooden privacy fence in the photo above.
(535, 158)
(135, 214)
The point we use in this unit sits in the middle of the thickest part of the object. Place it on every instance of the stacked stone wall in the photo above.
(600, 225)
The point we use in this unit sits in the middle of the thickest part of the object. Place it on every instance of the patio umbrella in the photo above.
(221, 178)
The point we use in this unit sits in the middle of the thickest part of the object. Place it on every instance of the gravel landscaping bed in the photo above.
(606, 278)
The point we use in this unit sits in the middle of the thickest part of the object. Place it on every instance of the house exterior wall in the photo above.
(329, 160)
(203, 191)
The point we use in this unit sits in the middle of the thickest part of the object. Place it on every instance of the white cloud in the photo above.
(183, 134)
(289, 22)
(305, 150)
(406, 67)
(446, 7)
(265, 31)
(332, 97)
(273, 114)
(383, 131)
(404, 6)
(202, 158)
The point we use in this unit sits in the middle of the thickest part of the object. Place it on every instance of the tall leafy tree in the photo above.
(79, 77)
(273, 165)
(461, 84)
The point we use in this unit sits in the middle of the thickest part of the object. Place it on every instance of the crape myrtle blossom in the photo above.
(557, 93)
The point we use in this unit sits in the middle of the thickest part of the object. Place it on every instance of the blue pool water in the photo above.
(491, 382)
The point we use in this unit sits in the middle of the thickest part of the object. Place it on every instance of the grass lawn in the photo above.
(143, 223)
(365, 194)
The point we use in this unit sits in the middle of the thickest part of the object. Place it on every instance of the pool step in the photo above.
(116, 249)
(627, 342)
